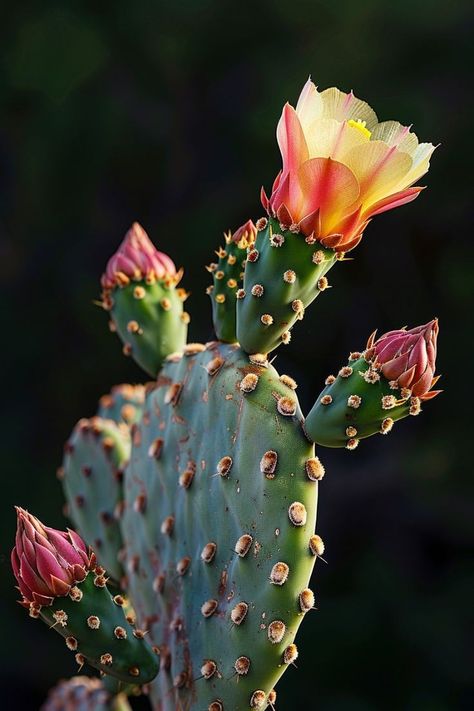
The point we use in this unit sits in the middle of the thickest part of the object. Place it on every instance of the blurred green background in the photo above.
(166, 113)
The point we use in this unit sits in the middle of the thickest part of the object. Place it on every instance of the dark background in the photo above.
(166, 113)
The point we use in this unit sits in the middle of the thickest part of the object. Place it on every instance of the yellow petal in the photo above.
(394, 133)
(309, 106)
(343, 107)
(421, 162)
(328, 138)
(379, 170)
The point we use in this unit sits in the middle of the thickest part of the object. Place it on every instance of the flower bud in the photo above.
(407, 358)
(46, 562)
(137, 258)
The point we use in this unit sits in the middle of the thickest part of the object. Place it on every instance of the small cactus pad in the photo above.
(227, 275)
(218, 528)
(124, 404)
(284, 273)
(355, 404)
(97, 631)
(94, 460)
(150, 320)
(83, 693)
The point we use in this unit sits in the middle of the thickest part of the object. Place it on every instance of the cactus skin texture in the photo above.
(123, 405)
(227, 274)
(150, 320)
(96, 630)
(336, 420)
(190, 498)
(95, 457)
(83, 693)
(283, 275)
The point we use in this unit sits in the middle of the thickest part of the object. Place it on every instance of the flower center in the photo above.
(361, 126)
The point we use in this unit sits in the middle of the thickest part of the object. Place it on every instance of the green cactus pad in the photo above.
(358, 403)
(150, 320)
(283, 275)
(227, 275)
(220, 511)
(95, 628)
(94, 460)
(83, 693)
(124, 404)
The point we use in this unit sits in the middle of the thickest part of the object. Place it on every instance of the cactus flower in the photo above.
(408, 358)
(341, 167)
(137, 258)
(46, 562)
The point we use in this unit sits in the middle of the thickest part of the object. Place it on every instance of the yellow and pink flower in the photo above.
(341, 166)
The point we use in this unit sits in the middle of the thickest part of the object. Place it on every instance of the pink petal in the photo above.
(47, 565)
(31, 579)
(394, 368)
(330, 186)
(396, 200)
(291, 140)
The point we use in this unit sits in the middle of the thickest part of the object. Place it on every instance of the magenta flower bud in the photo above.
(408, 358)
(137, 258)
(46, 562)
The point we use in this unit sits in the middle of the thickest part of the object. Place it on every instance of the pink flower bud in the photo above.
(137, 258)
(246, 233)
(408, 358)
(46, 562)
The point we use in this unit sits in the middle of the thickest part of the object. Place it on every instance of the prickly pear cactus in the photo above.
(197, 493)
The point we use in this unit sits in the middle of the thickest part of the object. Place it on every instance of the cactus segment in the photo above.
(150, 320)
(94, 460)
(227, 275)
(83, 693)
(124, 404)
(96, 630)
(284, 273)
(218, 528)
(358, 403)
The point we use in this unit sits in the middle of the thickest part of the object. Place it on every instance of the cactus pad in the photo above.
(92, 472)
(284, 273)
(218, 528)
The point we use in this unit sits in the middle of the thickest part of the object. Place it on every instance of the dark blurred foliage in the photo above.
(166, 113)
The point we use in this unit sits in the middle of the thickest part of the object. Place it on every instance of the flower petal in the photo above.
(394, 133)
(344, 107)
(328, 138)
(395, 200)
(330, 186)
(309, 106)
(291, 140)
(379, 170)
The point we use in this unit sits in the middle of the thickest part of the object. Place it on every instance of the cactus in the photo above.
(198, 495)
(82, 693)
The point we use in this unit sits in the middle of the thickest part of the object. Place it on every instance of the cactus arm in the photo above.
(95, 628)
(150, 320)
(284, 273)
